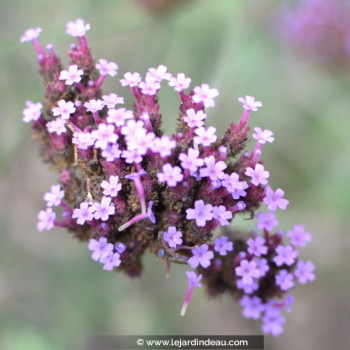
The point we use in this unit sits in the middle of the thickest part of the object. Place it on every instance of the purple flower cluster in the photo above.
(321, 28)
(125, 187)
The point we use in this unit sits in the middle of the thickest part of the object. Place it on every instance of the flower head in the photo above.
(46, 220)
(64, 109)
(77, 28)
(223, 245)
(275, 200)
(256, 246)
(72, 75)
(284, 280)
(205, 137)
(172, 237)
(285, 255)
(104, 209)
(190, 160)
(170, 175)
(84, 213)
(32, 111)
(100, 248)
(54, 197)
(266, 221)
(298, 236)
(205, 94)
(249, 103)
(201, 256)
(263, 136)
(222, 215)
(259, 175)
(201, 213)
(30, 34)
(107, 68)
(131, 79)
(194, 119)
(112, 187)
(305, 271)
(180, 82)
(104, 135)
(247, 270)
(110, 261)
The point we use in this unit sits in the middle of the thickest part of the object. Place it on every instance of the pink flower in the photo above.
(172, 237)
(170, 175)
(111, 152)
(46, 220)
(285, 255)
(32, 111)
(30, 34)
(103, 135)
(201, 213)
(263, 136)
(190, 160)
(266, 221)
(112, 187)
(159, 74)
(304, 271)
(249, 103)
(284, 280)
(94, 106)
(247, 270)
(55, 196)
(252, 307)
(57, 126)
(131, 128)
(64, 109)
(111, 100)
(201, 256)
(131, 79)
(104, 209)
(194, 119)
(256, 246)
(118, 116)
(84, 213)
(142, 142)
(213, 170)
(205, 94)
(77, 28)
(258, 175)
(150, 86)
(83, 140)
(107, 68)
(72, 75)
(180, 83)
(163, 145)
(132, 156)
(100, 248)
(205, 137)
(275, 200)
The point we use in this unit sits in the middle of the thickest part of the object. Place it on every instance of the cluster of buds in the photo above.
(319, 27)
(125, 187)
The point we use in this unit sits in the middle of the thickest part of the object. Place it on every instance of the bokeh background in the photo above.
(52, 295)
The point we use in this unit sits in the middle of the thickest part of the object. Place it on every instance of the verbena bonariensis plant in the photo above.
(127, 188)
(319, 27)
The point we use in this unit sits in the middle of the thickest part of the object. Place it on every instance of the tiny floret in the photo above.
(72, 75)
(31, 34)
(107, 68)
(249, 103)
(305, 272)
(170, 175)
(77, 28)
(110, 261)
(205, 137)
(172, 237)
(298, 236)
(275, 200)
(63, 109)
(112, 187)
(46, 219)
(205, 95)
(131, 79)
(194, 119)
(285, 255)
(180, 82)
(201, 256)
(54, 197)
(266, 221)
(201, 213)
(100, 248)
(32, 112)
(223, 245)
(84, 213)
(263, 136)
(104, 209)
(259, 175)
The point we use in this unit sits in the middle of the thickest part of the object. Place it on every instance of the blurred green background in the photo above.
(52, 295)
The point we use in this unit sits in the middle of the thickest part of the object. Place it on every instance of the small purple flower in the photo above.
(104, 209)
(54, 197)
(252, 307)
(180, 82)
(275, 200)
(234, 186)
(190, 160)
(84, 213)
(170, 175)
(112, 187)
(193, 280)
(205, 94)
(213, 170)
(304, 271)
(32, 111)
(172, 237)
(256, 246)
(201, 213)
(46, 220)
(159, 74)
(107, 68)
(266, 221)
(100, 248)
(77, 28)
(150, 86)
(247, 270)
(273, 321)
(222, 245)
(110, 261)
(258, 175)
(249, 103)
(285, 255)
(222, 215)
(119, 116)
(263, 136)
(111, 153)
(72, 75)
(298, 236)
(205, 137)
(63, 109)
(284, 280)
(201, 256)
(194, 119)
(263, 266)
(120, 247)
(247, 288)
